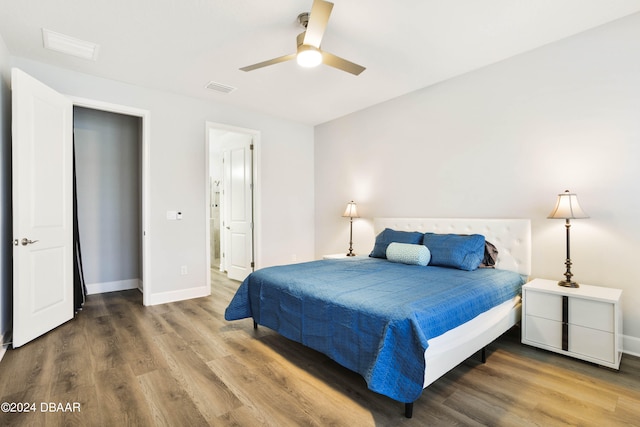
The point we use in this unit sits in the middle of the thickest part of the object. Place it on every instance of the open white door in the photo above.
(42, 126)
(238, 206)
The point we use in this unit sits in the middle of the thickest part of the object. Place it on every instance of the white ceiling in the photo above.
(181, 45)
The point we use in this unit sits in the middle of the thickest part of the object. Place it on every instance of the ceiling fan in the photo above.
(308, 53)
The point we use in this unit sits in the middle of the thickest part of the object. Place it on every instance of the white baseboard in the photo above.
(119, 285)
(183, 294)
(631, 345)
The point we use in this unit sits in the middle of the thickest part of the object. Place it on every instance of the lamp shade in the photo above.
(567, 207)
(351, 211)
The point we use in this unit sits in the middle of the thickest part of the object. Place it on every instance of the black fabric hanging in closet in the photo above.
(79, 287)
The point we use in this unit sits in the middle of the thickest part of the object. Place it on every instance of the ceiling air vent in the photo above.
(219, 87)
(69, 45)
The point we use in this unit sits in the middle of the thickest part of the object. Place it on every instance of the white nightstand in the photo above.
(336, 256)
(584, 322)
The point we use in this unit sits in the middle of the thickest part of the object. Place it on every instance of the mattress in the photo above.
(445, 345)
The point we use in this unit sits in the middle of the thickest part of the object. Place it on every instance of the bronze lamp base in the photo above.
(568, 284)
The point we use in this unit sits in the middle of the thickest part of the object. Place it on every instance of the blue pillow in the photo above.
(408, 253)
(389, 236)
(454, 250)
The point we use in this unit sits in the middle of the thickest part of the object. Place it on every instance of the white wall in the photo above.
(503, 142)
(177, 175)
(5, 194)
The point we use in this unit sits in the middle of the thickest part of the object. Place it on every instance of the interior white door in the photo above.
(238, 206)
(42, 124)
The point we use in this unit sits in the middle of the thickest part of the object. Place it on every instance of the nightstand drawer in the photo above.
(591, 314)
(544, 305)
(592, 343)
(543, 331)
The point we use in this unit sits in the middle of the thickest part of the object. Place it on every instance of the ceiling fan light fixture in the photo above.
(308, 56)
(309, 41)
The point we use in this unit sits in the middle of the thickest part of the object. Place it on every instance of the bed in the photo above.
(400, 325)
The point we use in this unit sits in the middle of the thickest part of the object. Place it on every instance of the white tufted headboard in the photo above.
(512, 237)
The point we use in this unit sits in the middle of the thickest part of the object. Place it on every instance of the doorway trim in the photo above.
(257, 217)
(145, 116)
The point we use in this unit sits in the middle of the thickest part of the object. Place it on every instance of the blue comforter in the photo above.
(371, 315)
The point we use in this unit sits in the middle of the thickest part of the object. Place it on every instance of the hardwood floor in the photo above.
(182, 364)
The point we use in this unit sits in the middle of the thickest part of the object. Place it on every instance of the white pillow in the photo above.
(408, 253)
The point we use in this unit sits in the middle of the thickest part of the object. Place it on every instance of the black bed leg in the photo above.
(408, 410)
(483, 356)
(255, 325)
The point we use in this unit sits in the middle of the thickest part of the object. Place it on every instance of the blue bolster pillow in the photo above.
(407, 253)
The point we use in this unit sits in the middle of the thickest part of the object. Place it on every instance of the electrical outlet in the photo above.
(183, 270)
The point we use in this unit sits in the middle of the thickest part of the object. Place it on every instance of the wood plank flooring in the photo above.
(182, 364)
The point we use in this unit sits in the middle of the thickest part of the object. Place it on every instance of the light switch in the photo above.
(179, 215)
(172, 215)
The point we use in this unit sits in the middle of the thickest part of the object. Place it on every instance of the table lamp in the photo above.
(351, 212)
(567, 208)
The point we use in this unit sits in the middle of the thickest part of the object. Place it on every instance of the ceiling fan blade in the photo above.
(318, 19)
(269, 62)
(341, 64)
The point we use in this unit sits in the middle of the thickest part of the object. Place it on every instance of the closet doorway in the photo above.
(111, 155)
(107, 151)
(232, 191)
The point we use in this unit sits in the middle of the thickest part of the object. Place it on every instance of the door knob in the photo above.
(26, 241)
